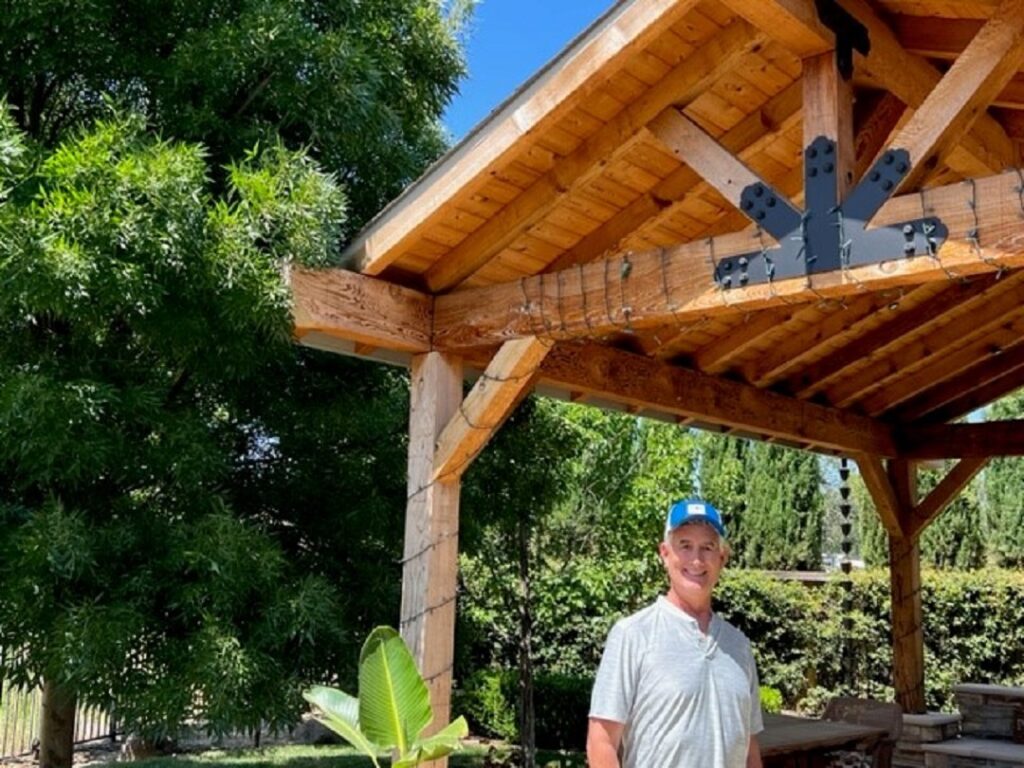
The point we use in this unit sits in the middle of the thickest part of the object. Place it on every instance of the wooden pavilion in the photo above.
(794, 220)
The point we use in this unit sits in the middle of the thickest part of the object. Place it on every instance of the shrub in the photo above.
(771, 699)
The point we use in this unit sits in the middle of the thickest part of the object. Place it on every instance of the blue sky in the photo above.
(508, 41)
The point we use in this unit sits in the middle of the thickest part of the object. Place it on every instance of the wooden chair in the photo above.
(868, 712)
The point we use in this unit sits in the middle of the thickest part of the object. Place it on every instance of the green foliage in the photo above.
(770, 498)
(393, 707)
(138, 303)
(771, 699)
(1002, 481)
(488, 698)
(322, 76)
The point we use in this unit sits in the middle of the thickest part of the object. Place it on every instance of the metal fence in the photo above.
(20, 711)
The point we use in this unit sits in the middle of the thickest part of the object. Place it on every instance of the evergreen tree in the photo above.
(1003, 481)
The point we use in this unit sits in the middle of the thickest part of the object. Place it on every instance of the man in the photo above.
(677, 686)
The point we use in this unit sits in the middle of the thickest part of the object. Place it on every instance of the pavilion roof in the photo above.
(593, 208)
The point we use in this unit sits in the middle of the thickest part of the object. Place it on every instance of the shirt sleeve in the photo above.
(615, 684)
(756, 718)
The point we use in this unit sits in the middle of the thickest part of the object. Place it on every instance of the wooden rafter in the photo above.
(628, 379)
(942, 495)
(615, 139)
(979, 73)
(795, 24)
(845, 322)
(717, 356)
(961, 441)
(659, 204)
(1005, 336)
(644, 290)
(539, 105)
(508, 378)
(973, 398)
(918, 320)
(972, 380)
(717, 165)
(877, 481)
(911, 79)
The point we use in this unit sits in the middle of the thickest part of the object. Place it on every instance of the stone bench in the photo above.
(973, 753)
(991, 711)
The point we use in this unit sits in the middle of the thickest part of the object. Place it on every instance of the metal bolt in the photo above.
(758, 191)
(744, 261)
(908, 248)
(744, 278)
(770, 202)
(829, 149)
(901, 167)
(812, 152)
(727, 281)
(875, 175)
(747, 204)
(889, 158)
(760, 215)
(908, 229)
(812, 172)
(829, 167)
(887, 185)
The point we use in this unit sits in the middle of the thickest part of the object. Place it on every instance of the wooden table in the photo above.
(801, 742)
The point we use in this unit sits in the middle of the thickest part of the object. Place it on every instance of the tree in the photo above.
(359, 83)
(154, 550)
(1004, 506)
(770, 498)
(137, 304)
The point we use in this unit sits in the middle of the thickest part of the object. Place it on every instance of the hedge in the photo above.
(812, 642)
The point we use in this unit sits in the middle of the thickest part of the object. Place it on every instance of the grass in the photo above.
(472, 756)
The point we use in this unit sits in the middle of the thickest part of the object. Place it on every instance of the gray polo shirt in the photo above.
(688, 700)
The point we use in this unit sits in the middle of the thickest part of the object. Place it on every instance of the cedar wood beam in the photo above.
(636, 380)
(674, 285)
(989, 389)
(795, 24)
(879, 485)
(942, 495)
(962, 441)
(507, 379)
(978, 74)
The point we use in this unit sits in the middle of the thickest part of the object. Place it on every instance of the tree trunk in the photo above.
(527, 734)
(57, 731)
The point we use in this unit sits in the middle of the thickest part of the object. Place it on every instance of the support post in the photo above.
(430, 562)
(905, 590)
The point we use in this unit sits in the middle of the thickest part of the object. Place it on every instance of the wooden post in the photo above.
(905, 589)
(828, 112)
(431, 531)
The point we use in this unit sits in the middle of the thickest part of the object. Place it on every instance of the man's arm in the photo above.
(754, 753)
(603, 739)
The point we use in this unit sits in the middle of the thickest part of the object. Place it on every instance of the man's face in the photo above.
(693, 558)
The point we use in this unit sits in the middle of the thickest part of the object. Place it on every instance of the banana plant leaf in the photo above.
(340, 712)
(394, 704)
(442, 743)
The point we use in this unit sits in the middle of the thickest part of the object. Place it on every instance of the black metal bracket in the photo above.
(850, 34)
(828, 236)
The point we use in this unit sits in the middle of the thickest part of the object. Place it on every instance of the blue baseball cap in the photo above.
(693, 511)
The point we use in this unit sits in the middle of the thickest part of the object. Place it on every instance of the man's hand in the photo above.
(603, 739)
(754, 753)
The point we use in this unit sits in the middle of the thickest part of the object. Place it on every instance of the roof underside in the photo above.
(545, 186)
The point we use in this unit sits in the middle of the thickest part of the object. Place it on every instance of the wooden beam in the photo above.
(493, 398)
(905, 593)
(979, 73)
(717, 356)
(844, 323)
(629, 379)
(942, 495)
(875, 128)
(793, 23)
(972, 380)
(912, 79)
(717, 165)
(917, 320)
(879, 485)
(746, 139)
(360, 309)
(972, 400)
(986, 343)
(675, 285)
(828, 112)
(687, 81)
(430, 562)
(962, 441)
(573, 76)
